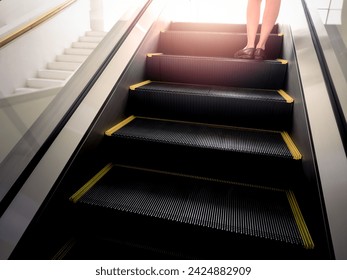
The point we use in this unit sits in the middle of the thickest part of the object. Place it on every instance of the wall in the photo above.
(329, 10)
(343, 27)
(105, 13)
(14, 12)
(21, 58)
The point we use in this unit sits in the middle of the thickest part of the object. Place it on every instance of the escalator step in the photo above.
(222, 105)
(245, 210)
(206, 137)
(215, 27)
(214, 44)
(268, 74)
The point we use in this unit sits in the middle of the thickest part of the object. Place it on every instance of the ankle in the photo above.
(261, 47)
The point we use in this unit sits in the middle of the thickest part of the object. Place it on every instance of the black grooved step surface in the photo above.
(243, 210)
(246, 141)
(221, 105)
(268, 74)
(214, 44)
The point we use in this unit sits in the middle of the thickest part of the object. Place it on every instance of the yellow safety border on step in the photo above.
(67, 247)
(300, 221)
(135, 86)
(283, 61)
(291, 146)
(286, 138)
(86, 187)
(118, 126)
(286, 96)
(297, 214)
(152, 54)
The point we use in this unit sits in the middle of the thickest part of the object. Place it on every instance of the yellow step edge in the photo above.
(118, 126)
(152, 54)
(291, 146)
(283, 61)
(286, 96)
(65, 249)
(135, 86)
(300, 221)
(286, 138)
(87, 186)
(289, 142)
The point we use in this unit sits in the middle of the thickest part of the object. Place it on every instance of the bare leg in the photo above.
(271, 12)
(252, 50)
(253, 16)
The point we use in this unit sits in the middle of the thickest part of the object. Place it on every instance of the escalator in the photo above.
(200, 165)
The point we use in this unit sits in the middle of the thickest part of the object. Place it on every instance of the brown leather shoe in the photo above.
(245, 53)
(259, 54)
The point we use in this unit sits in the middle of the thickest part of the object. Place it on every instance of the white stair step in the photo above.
(84, 45)
(93, 33)
(24, 90)
(77, 51)
(90, 39)
(65, 66)
(71, 58)
(43, 83)
(54, 74)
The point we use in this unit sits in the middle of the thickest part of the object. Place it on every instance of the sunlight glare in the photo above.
(220, 11)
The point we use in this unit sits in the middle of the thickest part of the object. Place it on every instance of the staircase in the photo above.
(58, 72)
(203, 165)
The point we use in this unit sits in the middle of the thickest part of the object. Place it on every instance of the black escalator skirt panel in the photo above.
(202, 136)
(251, 211)
(221, 105)
(213, 44)
(268, 74)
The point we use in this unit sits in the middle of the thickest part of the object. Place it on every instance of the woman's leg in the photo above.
(270, 15)
(253, 16)
(271, 11)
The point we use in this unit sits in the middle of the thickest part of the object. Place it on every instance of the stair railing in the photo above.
(33, 23)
